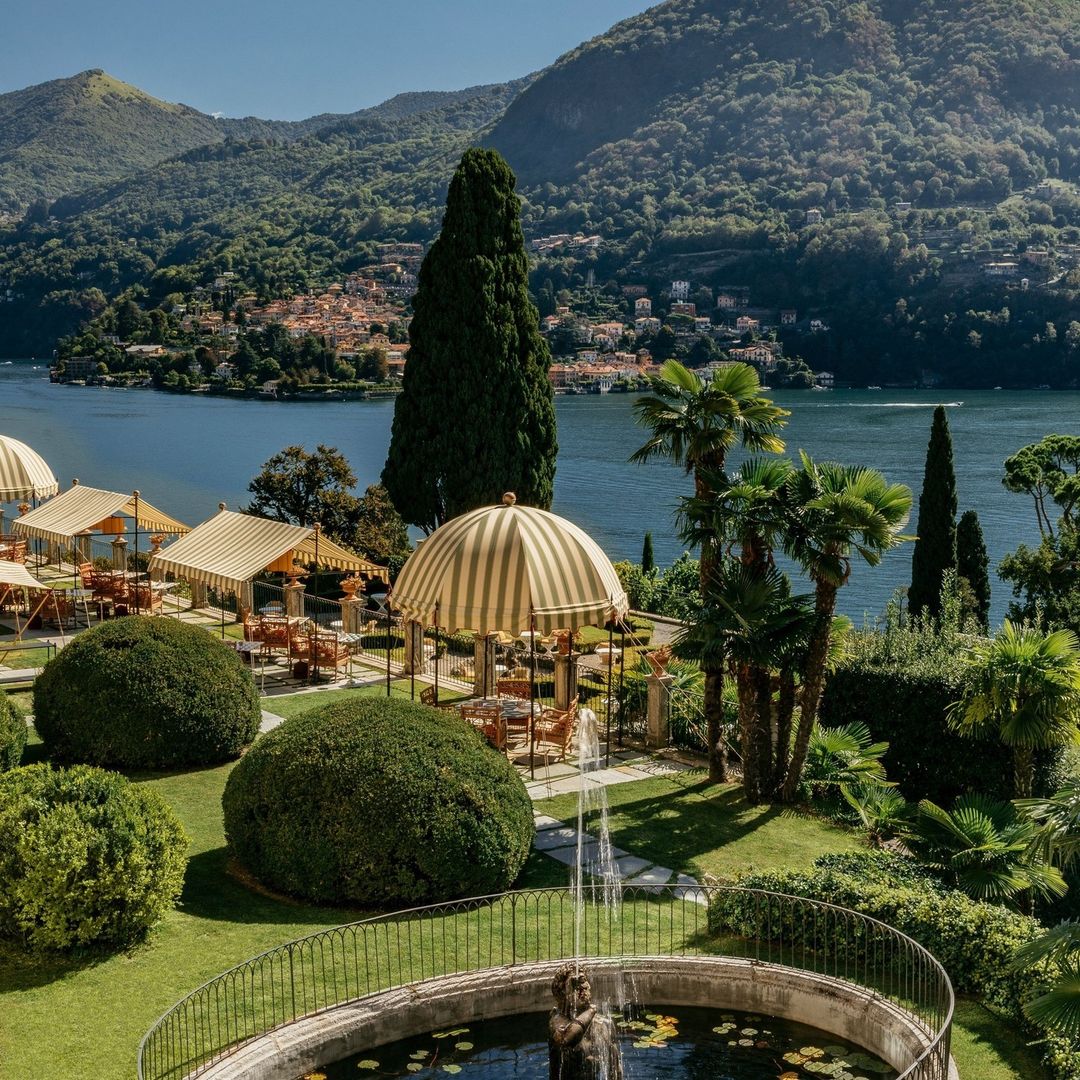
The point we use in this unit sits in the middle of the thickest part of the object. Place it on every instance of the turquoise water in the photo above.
(188, 453)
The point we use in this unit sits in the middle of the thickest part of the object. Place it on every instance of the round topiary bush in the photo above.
(142, 692)
(86, 857)
(12, 734)
(378, 802)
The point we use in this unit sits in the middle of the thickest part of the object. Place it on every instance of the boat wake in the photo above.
(884, 404)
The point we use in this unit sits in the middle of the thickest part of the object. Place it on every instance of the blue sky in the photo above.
(284, 59)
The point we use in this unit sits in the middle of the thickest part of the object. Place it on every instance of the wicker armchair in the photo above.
(275, 636)
(326, 652)
(488, 720)
(556, 727)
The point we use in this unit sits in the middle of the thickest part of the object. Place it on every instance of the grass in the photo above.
(289, 705)
(71, 1018)
(695, 827)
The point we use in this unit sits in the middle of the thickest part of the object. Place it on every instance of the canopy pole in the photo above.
(435, 656)
(607, 723)
(387, 642)
(532, 694)
(136, 494)
(622, 672)
(315, 664)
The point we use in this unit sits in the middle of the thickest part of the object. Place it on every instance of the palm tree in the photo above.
(1058, 1007)
(834, 511)
(1024, 685)
(752, 624)
(695, 423)
(984, 848)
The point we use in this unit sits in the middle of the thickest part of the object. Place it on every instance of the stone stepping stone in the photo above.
(689, 889)
(542, 822)
(270, 721)
(629, 865)
(555, 838)
(655, 875)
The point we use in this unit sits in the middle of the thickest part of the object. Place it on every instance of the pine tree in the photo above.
(973, 564)
(476, 415)
(935, 548)
(648, 562)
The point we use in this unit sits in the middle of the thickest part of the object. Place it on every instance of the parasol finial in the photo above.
(509, 498)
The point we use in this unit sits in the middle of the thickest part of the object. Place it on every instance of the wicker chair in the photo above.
(148, 601)
(556, 728)
(488, 720)
(274, 635)
(427, 697)
(514, 688)
(327, 652)
(86, 575)
(59, 611)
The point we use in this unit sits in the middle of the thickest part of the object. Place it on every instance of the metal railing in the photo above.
(333, 967)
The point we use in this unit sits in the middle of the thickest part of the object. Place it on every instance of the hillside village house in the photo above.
(680, 290)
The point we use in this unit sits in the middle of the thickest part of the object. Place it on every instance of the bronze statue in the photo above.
(582, 1045)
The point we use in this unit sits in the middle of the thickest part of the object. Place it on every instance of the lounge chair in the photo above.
(488, 720)
(556, 727)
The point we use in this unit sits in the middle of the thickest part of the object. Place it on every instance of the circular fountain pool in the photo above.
(684, 1043)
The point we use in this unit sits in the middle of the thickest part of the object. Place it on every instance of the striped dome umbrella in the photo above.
(23, 472)
(509, 567)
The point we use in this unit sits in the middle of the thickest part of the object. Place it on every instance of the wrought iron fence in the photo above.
(333, 967)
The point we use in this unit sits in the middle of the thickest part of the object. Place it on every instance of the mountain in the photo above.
(858, 160)
(66, 135)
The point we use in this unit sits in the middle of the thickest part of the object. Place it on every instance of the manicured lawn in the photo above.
(699, 828)
(80, 1018)
(69, 1019)
(289, 705)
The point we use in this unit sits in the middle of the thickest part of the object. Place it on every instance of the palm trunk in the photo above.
(714, 675)
(1023, 771)
(714, 723)
(746, 727)
(761, 731)
(785, 714)
(813, 682)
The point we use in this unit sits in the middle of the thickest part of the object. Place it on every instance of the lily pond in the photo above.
(695, 1044)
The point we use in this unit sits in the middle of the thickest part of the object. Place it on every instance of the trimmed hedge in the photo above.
(146, 693)
(86, 857)
(905, 705)
(974, 941)
(378, 802)
(12, 734)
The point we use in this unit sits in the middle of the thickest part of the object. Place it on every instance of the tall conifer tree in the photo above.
(476, 416)
(648, 560)
(973, 564)
(935, 548)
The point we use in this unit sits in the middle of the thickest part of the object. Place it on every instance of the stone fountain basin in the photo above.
(852, 1013)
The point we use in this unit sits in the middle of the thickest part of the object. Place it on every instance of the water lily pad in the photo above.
(419, 1055)
(640, 1045)
(748, 1031)
(836, 1050)
(367, 1063)
(793, 1057)
(746, 1042)
(459, 1031)
(463, 1046)
(414, 1066)
(789, 1075)
(811, 1051)
(451, 1068)
(868, 1063)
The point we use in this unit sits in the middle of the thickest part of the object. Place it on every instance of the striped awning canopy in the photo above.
(16, 576)
(231, 548)
(500, 566)
(80, 509)
(23, 472)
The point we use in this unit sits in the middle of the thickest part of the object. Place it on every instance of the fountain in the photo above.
(582, 1040)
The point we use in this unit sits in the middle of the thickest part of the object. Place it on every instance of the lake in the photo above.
(188, 453)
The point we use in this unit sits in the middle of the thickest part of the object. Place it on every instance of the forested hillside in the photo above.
(862, 161)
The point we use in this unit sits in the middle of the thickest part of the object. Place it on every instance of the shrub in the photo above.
(974, 941)
(378, 802)
(12, 734)
(141, 692)
(900, 683)
(86, 857)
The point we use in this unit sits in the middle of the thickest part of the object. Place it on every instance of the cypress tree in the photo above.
(476, 415)
(973, 564)
(648, 562)
(935, 548)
